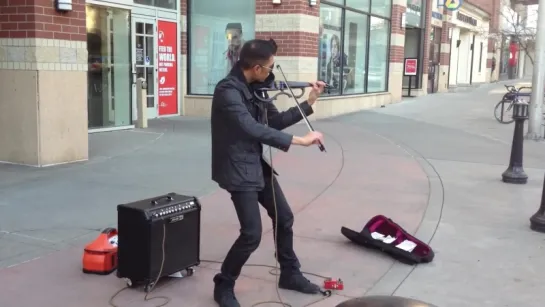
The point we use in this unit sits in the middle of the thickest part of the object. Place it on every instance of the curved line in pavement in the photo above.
(404, 147)
(305, 206)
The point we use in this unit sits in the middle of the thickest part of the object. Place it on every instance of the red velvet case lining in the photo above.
(383, 225)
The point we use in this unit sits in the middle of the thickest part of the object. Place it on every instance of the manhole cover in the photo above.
(384, 301)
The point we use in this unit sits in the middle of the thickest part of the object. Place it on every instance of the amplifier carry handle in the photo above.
(156, 201)
(108, 231)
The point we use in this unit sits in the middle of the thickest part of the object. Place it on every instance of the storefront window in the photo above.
(382, 8)
(414, 14)
(329, 64)
(378, 55)
(361, 5)
(413, 49)
(166, 4)
(353, 49)
(217, 31)
(109, 79)
(504, 55)
(355, 43)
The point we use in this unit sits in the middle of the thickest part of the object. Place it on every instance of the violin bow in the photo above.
(309, 125)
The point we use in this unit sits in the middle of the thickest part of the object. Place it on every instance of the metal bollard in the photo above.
(383, 301)
(141, 103)
(537, 221)
(515, 172)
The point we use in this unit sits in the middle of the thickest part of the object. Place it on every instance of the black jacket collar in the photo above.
(236, 72)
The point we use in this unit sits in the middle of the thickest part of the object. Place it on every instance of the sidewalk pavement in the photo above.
(486, 255)
(51, 213)
(432, 163)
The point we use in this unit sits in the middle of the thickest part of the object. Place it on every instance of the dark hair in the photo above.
(335, 39)
(234, 26)
(256, 52)
(274, 45)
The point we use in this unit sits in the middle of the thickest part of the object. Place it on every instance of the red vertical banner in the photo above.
(513, 54)
(167, 67)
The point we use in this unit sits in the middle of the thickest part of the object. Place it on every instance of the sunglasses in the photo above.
(270, 68)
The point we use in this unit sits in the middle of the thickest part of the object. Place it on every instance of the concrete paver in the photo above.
(433, 164)
(64, 207)
(486, 255)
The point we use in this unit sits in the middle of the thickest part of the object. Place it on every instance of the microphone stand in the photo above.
(309, 125)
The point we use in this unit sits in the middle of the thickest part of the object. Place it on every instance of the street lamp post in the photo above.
(515, 172)
(537, 221)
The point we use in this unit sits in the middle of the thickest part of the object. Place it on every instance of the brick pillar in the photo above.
(397, 51)
(43, 81)
(183, 30)
(444, 57)
(294, 25)
(426, 55)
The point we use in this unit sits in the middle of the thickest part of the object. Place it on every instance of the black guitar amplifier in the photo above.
(166, 226)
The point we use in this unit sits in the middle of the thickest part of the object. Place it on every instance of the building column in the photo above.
(182, 66)
(444, 57)
(494, 42)
(426, 55)
(397, 51)
(43, 81)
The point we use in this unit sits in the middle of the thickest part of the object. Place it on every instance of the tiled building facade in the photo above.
(64, 74)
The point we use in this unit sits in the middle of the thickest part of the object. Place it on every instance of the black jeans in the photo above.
(247, 208)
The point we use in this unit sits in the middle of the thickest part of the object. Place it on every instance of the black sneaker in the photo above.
(224, 293)
(297, 282)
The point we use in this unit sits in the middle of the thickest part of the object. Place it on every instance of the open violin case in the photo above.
(381, 233)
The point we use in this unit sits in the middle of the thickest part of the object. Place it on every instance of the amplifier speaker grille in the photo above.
(141, 226)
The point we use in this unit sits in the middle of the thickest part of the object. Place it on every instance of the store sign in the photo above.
(437, 15)
(414, 13)
(168, 67)
(451, 5)
(410, 67)
(466, 19)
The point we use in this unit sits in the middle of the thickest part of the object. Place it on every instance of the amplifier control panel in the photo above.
(174, 209)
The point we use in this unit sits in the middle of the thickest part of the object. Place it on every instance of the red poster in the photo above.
(513, 54)
(411, 67)
(168, 67)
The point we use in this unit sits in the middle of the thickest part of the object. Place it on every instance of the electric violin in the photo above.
(281, 87)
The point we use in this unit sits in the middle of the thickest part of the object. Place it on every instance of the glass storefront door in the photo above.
(109, 78)
(144, 58)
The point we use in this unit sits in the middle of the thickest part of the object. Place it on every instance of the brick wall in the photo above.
(290, 43)
(293, 43)
(287, 7)
(183, 33)
(492, 7)
(445, 54)
(38, 19)
(397, 53)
